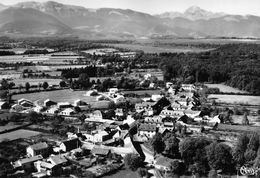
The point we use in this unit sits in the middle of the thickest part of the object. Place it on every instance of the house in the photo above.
(27, 163)
(144, 106)
(117, 98)
(191, 113)
(156, 97)
(58, 160)
(17, 108)
(99, 136)
(25, 103)
(48, 103)
(53, 110)
(63, 105)
(169, 84)
(69, 145)
(171, 113)
(148, 130)
(188, 87)
(79, 102)
(43, 166)
(99, 151)
(4, 105)
(154, 120)
(96, 115)
(113, 90)
(119, 112)
(91, 93)
(37, 149)
(67, 112)
(38, 109)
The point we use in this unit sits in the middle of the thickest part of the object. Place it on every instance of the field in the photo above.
(36, 81)
(225, 88)
(58, 96)
(149, 48)
(236, 99)
(18, 134)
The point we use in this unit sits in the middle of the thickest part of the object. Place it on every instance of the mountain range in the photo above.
(52, 18)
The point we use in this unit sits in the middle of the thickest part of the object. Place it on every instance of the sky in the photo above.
(241, 7)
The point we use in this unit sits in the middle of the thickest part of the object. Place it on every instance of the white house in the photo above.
(91, 93)
(156, 97)
(113, 90)
(25, 103)
(53, 110)
(188, 87)
(67, 112)
(148, 130)
(37, 149)
(38, 109)
(171, 113)
(97, 115)
(169, 84)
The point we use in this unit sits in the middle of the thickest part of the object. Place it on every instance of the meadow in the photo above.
(57, 96)
(225, 88)
(14, 135)
(236, 99)
(35, 81)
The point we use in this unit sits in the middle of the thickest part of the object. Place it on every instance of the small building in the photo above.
(148, 130)
(37, 149)
(38, 109)
(17, 108)
(69, 145)
(4, 105)
(53, 110)
(119, 112)
(188, 87)
(63, 105)
(25, 103)
(96, 115)
(101, 136)
(145, 106)
(169, 84)
(113, 90)
(99, 151)
(43, 166)
(79, 102)
(27, 163)
(58, 160)
(171, 113)
(91, 93)
(156, 97)
(67, 112)
(48, 103)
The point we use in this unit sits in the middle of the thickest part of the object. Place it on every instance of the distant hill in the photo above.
(57, 18)
(30, 21)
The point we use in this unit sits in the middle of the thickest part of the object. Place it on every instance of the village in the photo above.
(98, 150)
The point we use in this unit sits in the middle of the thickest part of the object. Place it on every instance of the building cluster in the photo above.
(101, 147)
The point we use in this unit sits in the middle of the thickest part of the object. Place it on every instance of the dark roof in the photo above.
(39, 146)
(72, 144)
(147, 127)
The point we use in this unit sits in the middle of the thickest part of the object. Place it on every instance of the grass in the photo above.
(57, 96)
(18, 134)
(236, 99)
(36, 81)
(225, 88)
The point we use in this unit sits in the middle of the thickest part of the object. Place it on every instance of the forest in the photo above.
(237, 65)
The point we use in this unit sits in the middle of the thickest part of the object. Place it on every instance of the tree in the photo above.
(172, 146)
(34, 117)
(245, 120)
(240, 149)
(133, 161)
(62, 84)
(157, 143)
(84, 81)
(193, 152)
(220, 157)
(177, 168)
(45, 85)
(142, 172)
(4, 94)
(27, 86)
